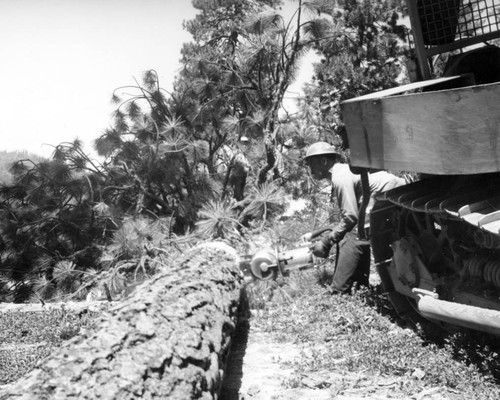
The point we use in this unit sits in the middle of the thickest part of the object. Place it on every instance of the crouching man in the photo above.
(353, 264)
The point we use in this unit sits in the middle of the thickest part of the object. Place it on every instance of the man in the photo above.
(234, 165)
(353, 264)
(239, 168)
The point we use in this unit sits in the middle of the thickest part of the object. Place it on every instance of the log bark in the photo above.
(169, 339)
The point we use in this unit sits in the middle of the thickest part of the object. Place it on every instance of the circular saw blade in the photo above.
(264, 265)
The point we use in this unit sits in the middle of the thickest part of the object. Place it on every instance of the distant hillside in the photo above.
(7, 158)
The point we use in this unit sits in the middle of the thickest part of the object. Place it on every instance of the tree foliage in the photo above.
(365, 52)
(49, 220)
(167, 159)
(153, 161)
(236, 73)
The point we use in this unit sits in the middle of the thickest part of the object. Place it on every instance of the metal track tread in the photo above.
(471, 202)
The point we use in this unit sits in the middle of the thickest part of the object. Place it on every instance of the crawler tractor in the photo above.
(436, 242)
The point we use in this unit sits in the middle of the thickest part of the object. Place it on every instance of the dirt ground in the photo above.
(265, 369)
(262, 367)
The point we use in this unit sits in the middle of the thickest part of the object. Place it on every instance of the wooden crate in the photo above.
(452, 131)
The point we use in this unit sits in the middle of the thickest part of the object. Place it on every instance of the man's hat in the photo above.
(321, 149)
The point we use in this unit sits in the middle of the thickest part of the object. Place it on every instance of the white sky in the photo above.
(62, 59)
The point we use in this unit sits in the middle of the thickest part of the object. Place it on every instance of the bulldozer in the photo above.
(436, 241)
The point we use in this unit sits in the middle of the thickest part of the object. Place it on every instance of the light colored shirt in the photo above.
(347, 188)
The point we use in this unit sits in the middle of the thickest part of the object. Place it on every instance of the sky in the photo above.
(62, 59)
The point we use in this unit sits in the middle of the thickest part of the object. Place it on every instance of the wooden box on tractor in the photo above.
(448, 131)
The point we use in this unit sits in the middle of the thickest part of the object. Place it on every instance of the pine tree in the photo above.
(237, 71)
(364, 52)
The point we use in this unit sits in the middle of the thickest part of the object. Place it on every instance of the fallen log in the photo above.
(169, 339)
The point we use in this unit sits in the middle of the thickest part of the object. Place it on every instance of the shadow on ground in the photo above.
(234, 369)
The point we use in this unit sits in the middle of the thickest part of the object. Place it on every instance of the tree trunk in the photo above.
(170, 339)
(271, 160)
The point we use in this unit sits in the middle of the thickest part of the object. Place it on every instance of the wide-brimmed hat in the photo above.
(321, 149)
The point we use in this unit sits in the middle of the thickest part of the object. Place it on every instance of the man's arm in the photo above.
(344, 190)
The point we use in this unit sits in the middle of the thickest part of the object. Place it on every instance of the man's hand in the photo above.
(306, 237)
(322, 247)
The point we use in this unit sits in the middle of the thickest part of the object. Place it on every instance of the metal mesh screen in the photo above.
(444, 21)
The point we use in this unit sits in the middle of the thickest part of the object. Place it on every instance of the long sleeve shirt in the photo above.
(347, 188)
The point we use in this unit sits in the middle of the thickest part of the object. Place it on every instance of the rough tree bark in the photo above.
(170, 339)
